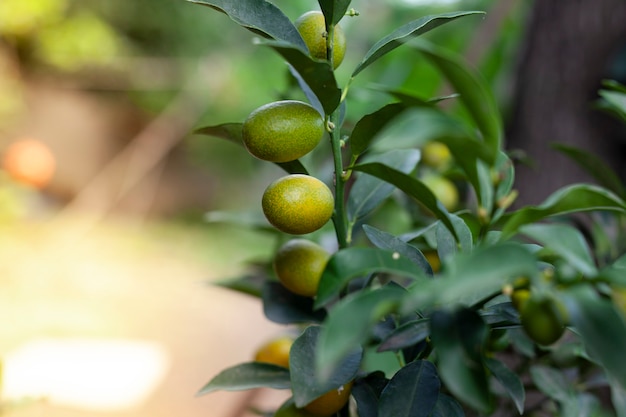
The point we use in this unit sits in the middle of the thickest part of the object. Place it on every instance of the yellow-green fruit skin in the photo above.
(330, 403)
(443, 189)
(299, 265)
(312, 28)
(543, 319)
(436, 155)
(298, 204)
(282, 131)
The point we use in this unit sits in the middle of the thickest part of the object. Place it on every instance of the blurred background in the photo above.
(105, 251)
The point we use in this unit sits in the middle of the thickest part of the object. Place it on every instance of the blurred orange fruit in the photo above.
(29, 161)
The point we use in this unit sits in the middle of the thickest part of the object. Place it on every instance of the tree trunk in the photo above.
(568, 49)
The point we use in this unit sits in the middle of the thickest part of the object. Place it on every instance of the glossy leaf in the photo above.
(595, 166)
(446, 244)
(334, 10)
(384, 240)
(404, 34)
(458, 338)
(615, 102)
(310, 95)
(284, 307)
(473, 90)
(565, 241)
(407, 335)
(248, 376)
(447, 407)
(350, 323)
(366, 129)
(353, 262)
(469, 278)
(601, 328)
(232, 133)
(412, 187)
(366, 392)
(260, 17)
(305, 383)
(318, 75)
(571, 199)
(368, 192)
(412, 392)
(509, 380)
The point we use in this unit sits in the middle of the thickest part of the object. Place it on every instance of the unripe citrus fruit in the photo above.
(331, 402)
(298, 204)
(519, 298)
(282, 131)
(299, 265)
(543, 318)
(29, 161)
(312, 28)
(433, 259)
(436, 155)
(275, 351)
(443, 189)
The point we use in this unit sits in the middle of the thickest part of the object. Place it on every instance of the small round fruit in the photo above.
(299, 265)
(544, 318)
(443, 189)
(282, 131)
(312, 28)
(519, 298)
(275, 352)
(331, 402)
(433, 259)
(298, 204)
(436, 155)
(29, 161)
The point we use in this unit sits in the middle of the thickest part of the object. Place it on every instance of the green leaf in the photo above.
(458, 337)
(618, 398)
(446, 244)
(353, 262)
(601, 328)
(350, 322)
(334, 10)
(473, 90)
(595, 166)
(447, 407)
(616, 101)
(411, 186)
(367, 192)
(366, 129)
(388, 241)
(366, 391)
(232, 133)
(260, 17)
(306, 384)
(404, 34)
(407, 335)
(284, 307)
(571, 199)
(247, 376)
(317, 74)
(565, 241)
(510, 381)
(469, 278)
(246, 284)
(552, 383)
(289, 409)
(412, 392)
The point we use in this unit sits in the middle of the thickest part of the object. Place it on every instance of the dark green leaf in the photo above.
(318, 75)
(485, 186)
(565, 241)
(388, 241)
(407, 335)
(469, 278)
(458, 338)
(616, 101)
(500, 315)
(353, 262)
(248, 376)
(310, 95)
(366, 391)
(412, 392)
(232, 133)
(618, 398)
(411, 186)
(260, 17)
(446, 244)
(334, 10)
(473, 90)
(447, 407)
(305, 383)
(284, 307)
(552, 382)
(350, 322)
(510, 381)
(368, 192)
(571, 199)
(366, 129)
(404, 34)
(595, 166)
(601, 328)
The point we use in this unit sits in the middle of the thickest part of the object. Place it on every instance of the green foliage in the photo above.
(436, 298)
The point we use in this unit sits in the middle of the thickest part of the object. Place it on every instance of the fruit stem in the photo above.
(339, 215)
